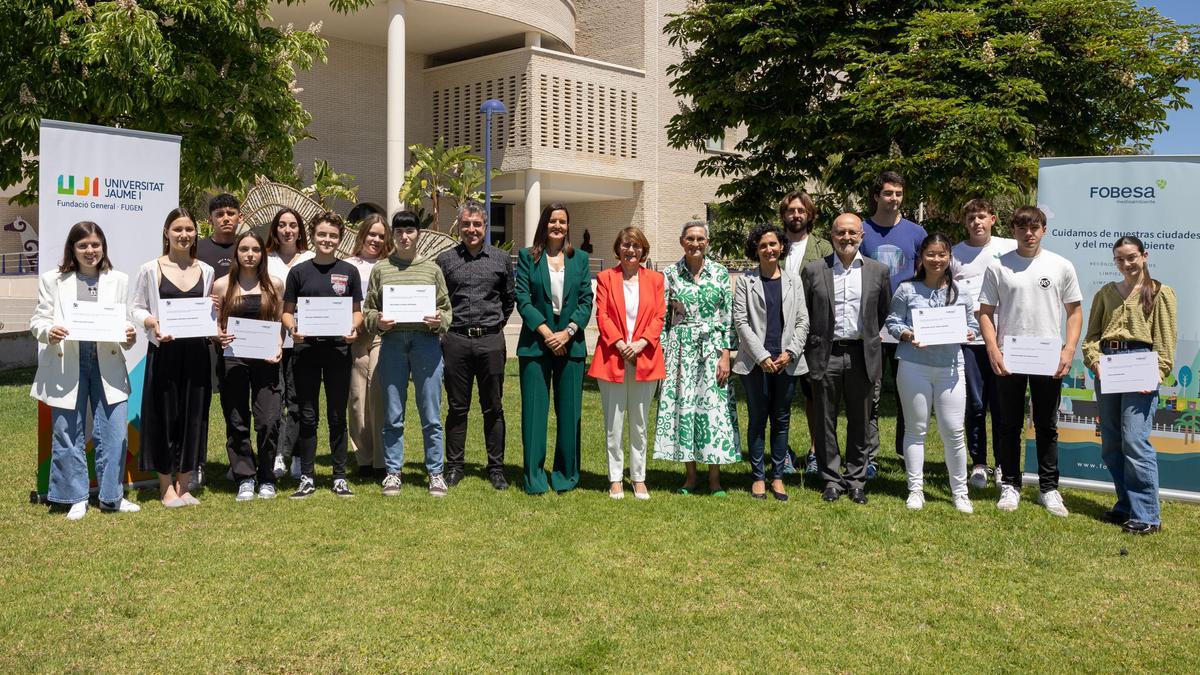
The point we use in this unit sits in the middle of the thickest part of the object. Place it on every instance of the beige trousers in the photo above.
(366, 403)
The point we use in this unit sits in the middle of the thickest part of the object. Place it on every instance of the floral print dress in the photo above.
(697, 418)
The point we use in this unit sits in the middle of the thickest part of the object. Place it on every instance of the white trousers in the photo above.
(629, 402)
(944, 388)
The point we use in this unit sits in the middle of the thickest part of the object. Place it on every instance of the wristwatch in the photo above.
(571, 329)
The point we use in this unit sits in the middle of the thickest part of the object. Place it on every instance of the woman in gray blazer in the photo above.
(771, 319)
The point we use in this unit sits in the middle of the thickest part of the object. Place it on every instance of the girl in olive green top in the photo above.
(1136, 314)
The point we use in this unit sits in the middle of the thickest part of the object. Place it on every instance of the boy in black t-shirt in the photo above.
(324, 357)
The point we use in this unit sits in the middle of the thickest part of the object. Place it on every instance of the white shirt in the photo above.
(279, 269)
(556, 289)
(1029, 293)
(632, 298)
(847, 298)
(970, 262)
(364, 270)
(794, 262)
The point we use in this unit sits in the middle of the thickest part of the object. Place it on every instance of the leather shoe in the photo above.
(831, 494)
(858, 496)
(498, 480)
(454, 477)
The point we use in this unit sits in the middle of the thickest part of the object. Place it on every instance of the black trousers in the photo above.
(311, 363)
(289, 422)
(846, 382)
(981, 398)
(889, 363)
(1044, 392)
(250, 389)
(468, 360)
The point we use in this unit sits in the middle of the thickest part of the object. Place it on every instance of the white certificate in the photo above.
(408, 304)
(95, 321)
(1031, 355)
(1132, 371)
(940, 325)
(318, 317)
(187, 317)
(253, 339)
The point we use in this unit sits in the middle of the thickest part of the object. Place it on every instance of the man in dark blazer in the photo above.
(848, 298)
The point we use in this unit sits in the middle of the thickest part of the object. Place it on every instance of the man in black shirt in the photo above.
(225, 216)
(479, 278)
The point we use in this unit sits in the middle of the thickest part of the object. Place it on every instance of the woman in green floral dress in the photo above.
(697, 417)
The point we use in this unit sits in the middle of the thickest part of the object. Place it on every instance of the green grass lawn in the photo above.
(502, 581)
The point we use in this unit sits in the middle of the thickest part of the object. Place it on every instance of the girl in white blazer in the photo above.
(178, 387)
(75, 377)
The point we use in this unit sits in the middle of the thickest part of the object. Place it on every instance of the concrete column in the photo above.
(396, 150)
(533, 39)
(533, 203)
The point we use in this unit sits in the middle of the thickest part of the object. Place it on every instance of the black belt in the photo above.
(843, 345)
(1120, 345)
(475, 331)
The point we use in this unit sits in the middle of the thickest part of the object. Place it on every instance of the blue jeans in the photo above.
(400, 353)
(1125, 423)
(768, 397)
(68, 441)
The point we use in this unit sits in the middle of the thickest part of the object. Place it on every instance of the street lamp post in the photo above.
(489, 106)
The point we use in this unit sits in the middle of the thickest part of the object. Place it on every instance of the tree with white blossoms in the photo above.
(213, 71)
(960, 96)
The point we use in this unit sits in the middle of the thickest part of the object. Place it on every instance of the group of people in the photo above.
(819, 316)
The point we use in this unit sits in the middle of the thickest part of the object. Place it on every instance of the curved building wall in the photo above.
(552, 17)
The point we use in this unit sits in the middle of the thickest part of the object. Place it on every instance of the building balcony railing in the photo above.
(566, 113)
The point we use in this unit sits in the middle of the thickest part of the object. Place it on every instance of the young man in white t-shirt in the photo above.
(1026, 293)
(971, 258)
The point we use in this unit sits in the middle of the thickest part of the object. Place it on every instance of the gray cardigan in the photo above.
(750, 321)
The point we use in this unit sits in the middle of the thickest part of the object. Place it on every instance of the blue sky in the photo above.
(1183, 138)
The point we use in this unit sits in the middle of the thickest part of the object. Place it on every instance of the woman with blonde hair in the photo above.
(372, 244)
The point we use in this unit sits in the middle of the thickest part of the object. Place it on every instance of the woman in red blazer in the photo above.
(628, 362)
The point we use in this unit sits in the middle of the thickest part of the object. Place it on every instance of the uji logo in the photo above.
(88, 186)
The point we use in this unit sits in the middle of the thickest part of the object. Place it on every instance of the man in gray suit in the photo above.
(848, 298)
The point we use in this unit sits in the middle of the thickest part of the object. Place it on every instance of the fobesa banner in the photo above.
(1090, 202)
(127, 182)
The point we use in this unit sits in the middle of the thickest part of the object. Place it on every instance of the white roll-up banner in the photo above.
(1090, 202)
(127, 182)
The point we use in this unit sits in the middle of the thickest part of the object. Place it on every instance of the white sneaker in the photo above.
(266, 491)
(123, 506)
(296, 467)
(997, 475)
(963, 504)
(978, 478)
(78, 510)
(916, 500)
(1010, 498)
(1053, 503)
(245, 490)
(280, 468)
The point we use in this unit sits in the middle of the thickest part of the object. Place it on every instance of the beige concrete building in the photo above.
(586, 88)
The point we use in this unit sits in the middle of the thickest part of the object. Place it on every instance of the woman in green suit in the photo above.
(554, 297)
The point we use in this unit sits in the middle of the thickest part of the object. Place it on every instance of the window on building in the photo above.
(715, 143)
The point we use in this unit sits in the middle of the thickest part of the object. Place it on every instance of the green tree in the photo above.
(213, 71)
(329, 186)
(961, 96)
(442, 173)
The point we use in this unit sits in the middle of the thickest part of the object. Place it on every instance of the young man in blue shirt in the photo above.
(893, 240)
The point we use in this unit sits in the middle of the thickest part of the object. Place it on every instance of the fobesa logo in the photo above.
(1127, 193)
